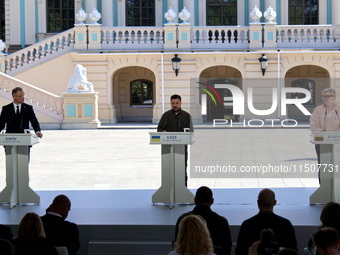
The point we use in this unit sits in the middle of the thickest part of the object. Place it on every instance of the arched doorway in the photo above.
(219, 75)
(310, 77)
(134, 94)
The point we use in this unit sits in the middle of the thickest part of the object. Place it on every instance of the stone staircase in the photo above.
(43, 101)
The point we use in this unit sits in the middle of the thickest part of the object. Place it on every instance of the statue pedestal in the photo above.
(80, 110)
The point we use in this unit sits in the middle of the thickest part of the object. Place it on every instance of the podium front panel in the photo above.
(18, 139)
(171, 138)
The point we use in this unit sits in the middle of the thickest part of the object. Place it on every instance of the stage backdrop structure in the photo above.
(329, 190)
(17, 190)
(80, 102)
(173, 189)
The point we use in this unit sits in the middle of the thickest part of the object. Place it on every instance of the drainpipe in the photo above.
(162, 82)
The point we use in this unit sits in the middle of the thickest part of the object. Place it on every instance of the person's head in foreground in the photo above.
(327, 241)
(193, 237)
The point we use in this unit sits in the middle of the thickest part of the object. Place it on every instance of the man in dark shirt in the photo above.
(176, 120)
(57, 229)
(218, 226)
(250, 231)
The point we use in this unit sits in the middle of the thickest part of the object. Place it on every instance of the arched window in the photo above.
(303, 12)
(60, 15)
(141, 92)
(2, 20)
(140, 12)
(221, 12)
(306, 84)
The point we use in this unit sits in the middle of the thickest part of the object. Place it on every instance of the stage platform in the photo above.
(126, 222)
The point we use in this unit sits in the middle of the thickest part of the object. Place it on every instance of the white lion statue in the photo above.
(78, 82)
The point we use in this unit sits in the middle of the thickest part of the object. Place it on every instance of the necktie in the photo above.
(17, 112)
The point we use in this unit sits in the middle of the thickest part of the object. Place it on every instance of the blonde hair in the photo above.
(31, 228)
(193, 237)
(330, 91)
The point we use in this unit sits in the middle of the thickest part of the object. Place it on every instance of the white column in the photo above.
(190, 5)
(335, 12)
(240, 13)
(121, 13)
(202, 13)
(284, 12)
(323, 12)
(41, 20)
(174, 5)
(159, 13)
(107, 13)
(90, 5)
(77, 6)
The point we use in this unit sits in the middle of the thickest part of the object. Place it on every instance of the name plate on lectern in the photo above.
(325, 137)
(171, 138)
(18, 139)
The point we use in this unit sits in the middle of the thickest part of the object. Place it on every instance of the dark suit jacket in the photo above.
(17, 123)
(250, 231)
(61, 232)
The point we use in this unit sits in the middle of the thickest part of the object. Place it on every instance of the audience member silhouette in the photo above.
(6, 247)
(31, 237)
(327, 241)
(60, 231)
(5, 233)
(218, 226)
(250, 231)
(193, 237)
(329, 217)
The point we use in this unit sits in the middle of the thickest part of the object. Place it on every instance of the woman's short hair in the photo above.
(330, 91)
(193, 237)
(31, 228)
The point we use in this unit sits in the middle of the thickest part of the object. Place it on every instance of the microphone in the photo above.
(325, 119)
(337, 114)
(165, 123)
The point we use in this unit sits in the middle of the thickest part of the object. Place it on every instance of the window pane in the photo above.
(60, 15)
(221, 13)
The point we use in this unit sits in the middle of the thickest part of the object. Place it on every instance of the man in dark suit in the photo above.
(57, 229)
(16, 116)
(250, 231)
(218, 225)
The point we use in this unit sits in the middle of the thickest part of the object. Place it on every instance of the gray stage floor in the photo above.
(122, 215)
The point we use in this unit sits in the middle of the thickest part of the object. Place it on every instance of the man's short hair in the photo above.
(176, 97)
(203, 195)
(16, 89)
(326, 238)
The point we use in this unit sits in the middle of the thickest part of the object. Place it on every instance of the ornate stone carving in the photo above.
(2, 46)
(78, 82)
(255, 15)
(95, 16)
(184, 15)
(170, 15)
(269, 14)
(81, 16)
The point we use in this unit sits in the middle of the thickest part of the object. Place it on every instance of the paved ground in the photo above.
(123, 159)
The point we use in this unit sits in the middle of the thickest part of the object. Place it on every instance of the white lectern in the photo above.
(329, 189)
(17, 190)
(172, 190)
